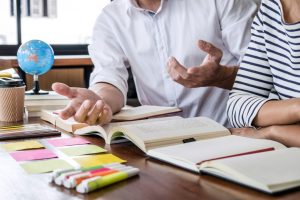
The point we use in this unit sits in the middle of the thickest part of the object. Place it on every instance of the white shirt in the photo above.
(128, 36)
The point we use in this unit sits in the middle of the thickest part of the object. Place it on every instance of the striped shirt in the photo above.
(270, 68)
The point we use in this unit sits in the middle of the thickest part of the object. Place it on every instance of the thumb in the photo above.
(215, 54)
(64, 90)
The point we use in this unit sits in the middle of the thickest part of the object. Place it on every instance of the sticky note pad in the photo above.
(44, 166)
(82, 150)
(61, 142)
(16, 146)
(32, 155)
(95, 160)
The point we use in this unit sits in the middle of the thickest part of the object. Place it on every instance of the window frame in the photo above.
(59, 49)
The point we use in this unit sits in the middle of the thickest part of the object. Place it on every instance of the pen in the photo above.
(75, 180)
(94, 183)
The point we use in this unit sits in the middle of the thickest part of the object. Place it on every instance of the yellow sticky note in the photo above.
(16, 146)
(44, 166)
(95, 160)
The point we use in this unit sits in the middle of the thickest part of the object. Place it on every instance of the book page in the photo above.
(106, 129)
(197, 152)
(270, 171)
(163, 133)
(143, 112)
(175, 129)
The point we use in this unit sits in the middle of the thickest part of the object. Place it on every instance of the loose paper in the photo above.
(44, 166)
(67, 141)
(82, 150)
(32, 155)
(96, 160)
(17, 146)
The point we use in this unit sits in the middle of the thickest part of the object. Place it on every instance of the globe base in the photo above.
(40, 92)
(36, 88)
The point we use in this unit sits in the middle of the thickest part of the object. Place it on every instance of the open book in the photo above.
(158, 132)
(126, 114)
(265, 165)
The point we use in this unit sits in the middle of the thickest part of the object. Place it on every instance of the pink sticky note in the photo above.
(32, 155)
(67, 142)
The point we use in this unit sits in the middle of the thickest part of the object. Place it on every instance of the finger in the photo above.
(194, 71)
(64, 90)
(67, 112)
(215, 53)
(104, 118)
(82, 112)
(95, 112)
(176, 68)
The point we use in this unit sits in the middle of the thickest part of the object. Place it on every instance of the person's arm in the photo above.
(92, 106)
(282, 112)
(235, 21)
(286, 134)
(110, 94)
(209, 74)
(108, 81)
(254, 81)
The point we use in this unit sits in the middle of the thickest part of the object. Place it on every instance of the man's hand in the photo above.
(209, 73)
(85, 106)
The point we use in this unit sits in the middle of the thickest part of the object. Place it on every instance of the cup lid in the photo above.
(11, 82)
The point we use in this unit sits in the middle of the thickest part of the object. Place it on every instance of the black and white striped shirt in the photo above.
(270, 68)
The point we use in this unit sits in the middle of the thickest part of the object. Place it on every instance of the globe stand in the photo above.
(36, 87)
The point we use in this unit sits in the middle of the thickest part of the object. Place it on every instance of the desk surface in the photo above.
(7, 62)
(157, 180)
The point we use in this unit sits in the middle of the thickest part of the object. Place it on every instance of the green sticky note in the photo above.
(82, 150)
(44, 166)
(17, 146)
(95, 160)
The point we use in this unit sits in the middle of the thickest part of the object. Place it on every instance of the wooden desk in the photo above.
(157, 180)
(61, 62)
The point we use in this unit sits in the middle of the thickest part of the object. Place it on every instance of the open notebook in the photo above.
(265, 165)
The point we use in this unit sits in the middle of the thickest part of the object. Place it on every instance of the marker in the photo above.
(58, 177)
(75, 180)
(94, 183)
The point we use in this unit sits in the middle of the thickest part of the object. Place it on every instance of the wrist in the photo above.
(226, 77)
(294, 109)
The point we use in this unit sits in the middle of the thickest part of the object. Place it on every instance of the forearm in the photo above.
(284, 112)
(227, 77)
(110, 94)
(287, 135)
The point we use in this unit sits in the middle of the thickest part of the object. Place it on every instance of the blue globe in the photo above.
(35, 57)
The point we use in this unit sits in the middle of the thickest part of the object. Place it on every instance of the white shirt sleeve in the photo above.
(235, 20)
(108, 57)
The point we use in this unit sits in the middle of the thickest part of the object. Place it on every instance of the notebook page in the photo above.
(276, 169)
(199, 151)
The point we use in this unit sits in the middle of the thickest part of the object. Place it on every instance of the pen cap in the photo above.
(12, 93)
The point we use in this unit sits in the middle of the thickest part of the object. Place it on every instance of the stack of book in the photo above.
(36, 103)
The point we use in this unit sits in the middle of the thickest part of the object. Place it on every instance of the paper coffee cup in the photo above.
(12, 103)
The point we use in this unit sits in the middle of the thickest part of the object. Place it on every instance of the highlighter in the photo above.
(60, 175)
(94, 183)
(76, 179)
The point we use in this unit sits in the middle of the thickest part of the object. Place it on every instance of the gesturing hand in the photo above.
(209, 73)
(85, 106)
